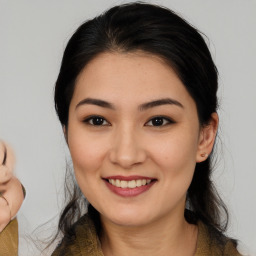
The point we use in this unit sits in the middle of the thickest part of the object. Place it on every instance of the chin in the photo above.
(128, 217)
(128, 221)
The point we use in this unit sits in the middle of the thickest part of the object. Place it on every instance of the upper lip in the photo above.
(128, 178)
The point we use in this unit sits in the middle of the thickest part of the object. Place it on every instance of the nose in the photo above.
(127, 149)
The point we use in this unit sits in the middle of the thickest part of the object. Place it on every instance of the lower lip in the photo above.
(129, 192)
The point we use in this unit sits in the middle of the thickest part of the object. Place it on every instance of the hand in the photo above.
(7, 162)
(11, 191)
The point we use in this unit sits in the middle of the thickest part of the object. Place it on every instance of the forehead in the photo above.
(129, 77)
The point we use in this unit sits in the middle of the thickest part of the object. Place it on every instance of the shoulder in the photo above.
(82, 241)
(207, 246)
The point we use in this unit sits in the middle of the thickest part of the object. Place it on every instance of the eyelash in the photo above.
(165, 121)
(91, 118)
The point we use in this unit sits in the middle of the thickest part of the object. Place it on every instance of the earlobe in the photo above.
(207, 138)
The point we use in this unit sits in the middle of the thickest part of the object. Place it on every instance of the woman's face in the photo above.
(134, 138)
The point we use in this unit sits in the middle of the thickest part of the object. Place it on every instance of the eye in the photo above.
(159, 121)
(96, 121)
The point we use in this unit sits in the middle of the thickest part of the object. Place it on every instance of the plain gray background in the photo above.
(33, 35)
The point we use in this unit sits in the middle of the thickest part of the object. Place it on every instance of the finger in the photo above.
(3, 188)
(10, 158)
(2, 150)
(5, 174)
(14, 195)
(5, 156)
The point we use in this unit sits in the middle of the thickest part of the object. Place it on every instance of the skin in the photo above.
(128, 143)
(6, 164)
(14, 196)
(12, 193)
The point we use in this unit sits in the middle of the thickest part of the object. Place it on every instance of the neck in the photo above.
(166, 236)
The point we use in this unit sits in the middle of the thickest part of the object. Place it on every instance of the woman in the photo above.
(136, 96)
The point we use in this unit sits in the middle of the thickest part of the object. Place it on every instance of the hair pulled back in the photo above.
(157, 31)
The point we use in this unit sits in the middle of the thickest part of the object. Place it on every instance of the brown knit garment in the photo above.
(87, 243)
(9, 239)
(206, 247)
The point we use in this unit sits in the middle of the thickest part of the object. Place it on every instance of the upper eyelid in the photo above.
(161, 116)
(94, 116)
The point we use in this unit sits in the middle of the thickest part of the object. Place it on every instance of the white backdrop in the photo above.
(33, 35)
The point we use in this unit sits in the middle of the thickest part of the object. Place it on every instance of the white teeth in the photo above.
(129, 184)
(118, 183)
(123, 183)
(132, 184)
(138, 183)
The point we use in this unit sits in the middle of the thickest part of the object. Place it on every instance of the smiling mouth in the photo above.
(129, 184)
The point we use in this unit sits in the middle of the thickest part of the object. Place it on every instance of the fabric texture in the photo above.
(9, 239)
(85, 242)
(206, 247)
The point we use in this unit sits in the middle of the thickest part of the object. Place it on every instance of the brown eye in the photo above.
(159, 121)
(96, 121)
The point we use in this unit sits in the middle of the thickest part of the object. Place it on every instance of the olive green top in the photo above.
(87, 243)
(9, 239)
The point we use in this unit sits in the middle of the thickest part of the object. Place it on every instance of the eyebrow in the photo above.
(142, 107)
(97, 102)
(159, 102)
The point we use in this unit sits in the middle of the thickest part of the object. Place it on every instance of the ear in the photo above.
(207, 138)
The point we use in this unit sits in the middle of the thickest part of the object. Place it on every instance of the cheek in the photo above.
(86, 155)
(176, 160)
(176, 157)
(86, 151)
(176, 151)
